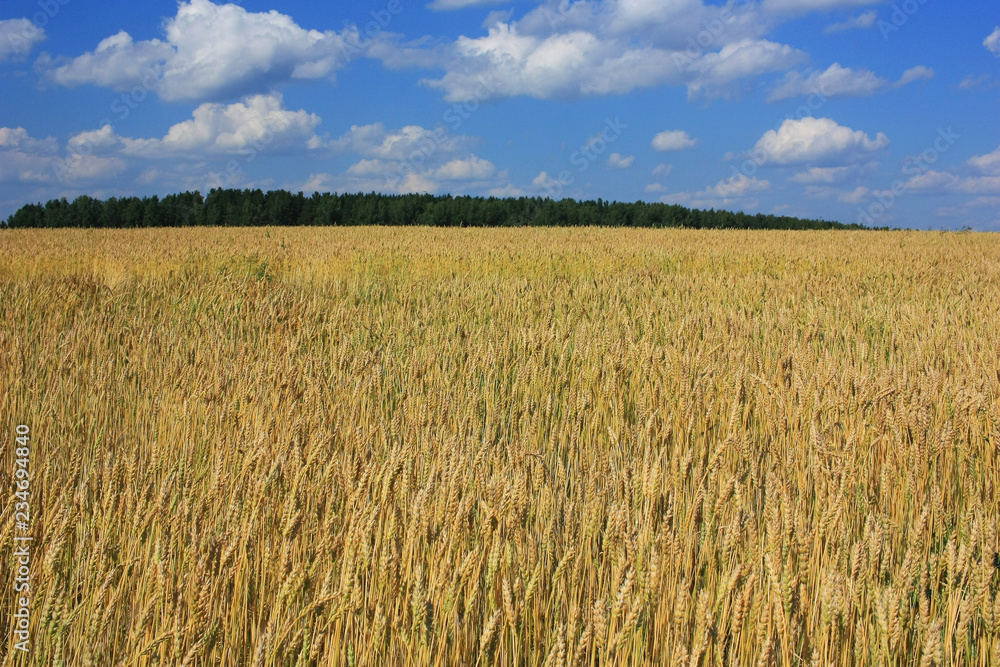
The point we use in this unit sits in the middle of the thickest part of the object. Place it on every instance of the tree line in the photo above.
(253, 208)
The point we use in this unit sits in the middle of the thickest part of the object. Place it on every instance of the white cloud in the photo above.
(210, 51)
(971, 82)
(412, 142)
(970, 208)
(79, 168)
(18, 37)
(823, 175)
(811, 5)
(838, 81)
(319, 183)
(409, 159)
(545, 182)
(506, 63)
(946, 182)
(258, 123)
(117, 63)
(17, 138)
(417, 184)
(663, 170)
(673, 140)
(471, 168)
(470, 173)
(915, 74)
(102, 141)
(606, 47)
(734, 191)
(989, 163)
(817, 141)
(655, 187)
(663, 24)
(993, 42)
(25, 159)
(461, 4)
(860, 22)
(508, 190)
(618, 161)
(985, 202)
(855, 196)
(739, 60)
(985, 181)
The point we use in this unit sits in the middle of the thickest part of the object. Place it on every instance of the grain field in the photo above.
(567, 447)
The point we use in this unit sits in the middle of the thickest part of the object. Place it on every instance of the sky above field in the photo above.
(852, 110)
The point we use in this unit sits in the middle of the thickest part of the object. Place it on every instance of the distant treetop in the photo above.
(255, 208)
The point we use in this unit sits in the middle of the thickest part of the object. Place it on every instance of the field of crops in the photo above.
(374, 446)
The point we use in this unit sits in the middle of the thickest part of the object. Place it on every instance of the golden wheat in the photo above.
(517, 447)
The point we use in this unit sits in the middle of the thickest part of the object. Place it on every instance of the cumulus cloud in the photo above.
(471, 168)
(471, 173)
(993, 42)
(24, 159)
(409, 159)
(983, 180)
(940, 182)
(259, 122)
(673, 140)
(824, 175)
(733, 192)
(664, 24)
(801, 6)
(117, 62)
(860, 22)
(506, 63)
(971, 82)
(855, 196)
(838, 81)
(715, 72)
(461, 4)
(915, 74)
(988, 163)
(663, 170)
(412, 142)
(607, 47)
(545, 182)
(210, 51)
(819, 142)
(102, 141)
(619, 161)
(18, 37)
(565, 49)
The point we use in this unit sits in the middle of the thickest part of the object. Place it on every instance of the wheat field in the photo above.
(375, 446)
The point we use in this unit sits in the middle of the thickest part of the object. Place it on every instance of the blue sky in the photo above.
(853, 110)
